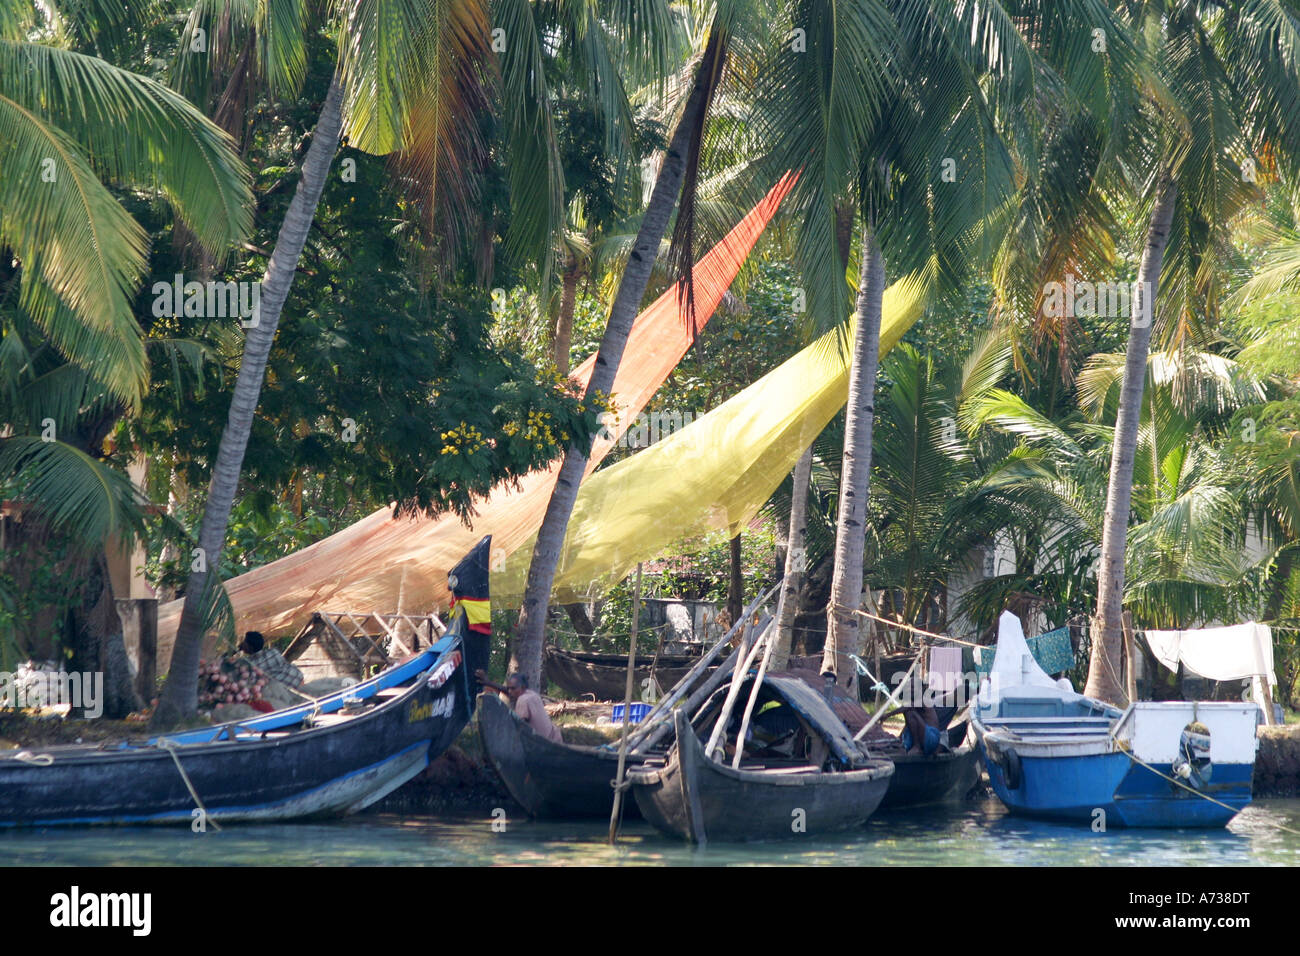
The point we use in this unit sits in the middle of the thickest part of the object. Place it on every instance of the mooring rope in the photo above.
(170, 747)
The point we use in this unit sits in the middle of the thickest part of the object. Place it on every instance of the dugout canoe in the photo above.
(699, 799)
(549, 780)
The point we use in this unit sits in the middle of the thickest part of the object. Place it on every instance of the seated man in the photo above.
(924, 720)
(528, 704)
(269, 661)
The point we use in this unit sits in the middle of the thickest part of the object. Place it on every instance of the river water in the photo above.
(976, 833)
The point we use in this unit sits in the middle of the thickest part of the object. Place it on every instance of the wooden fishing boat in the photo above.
(1055, 754)
(826, 784)
(549, 780)
(604, 675)
(328, 757)
(919, 780)
(311, 760)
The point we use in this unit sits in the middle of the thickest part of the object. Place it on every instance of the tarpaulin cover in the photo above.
(384, 564)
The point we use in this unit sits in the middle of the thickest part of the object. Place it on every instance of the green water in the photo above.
(978, 833)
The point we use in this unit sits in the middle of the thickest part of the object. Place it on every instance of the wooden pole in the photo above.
(627, 710)
(663, 708)
(1130, 677)
(720, 726)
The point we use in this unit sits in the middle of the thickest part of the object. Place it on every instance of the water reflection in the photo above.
(980, 833)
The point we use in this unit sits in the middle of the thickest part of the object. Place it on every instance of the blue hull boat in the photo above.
(1054, 754)
(330, 757)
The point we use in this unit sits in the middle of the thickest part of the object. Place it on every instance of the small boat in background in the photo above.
(815, 781)
(549, 780)
(918, 780)
(604, 675)
(1055, 754)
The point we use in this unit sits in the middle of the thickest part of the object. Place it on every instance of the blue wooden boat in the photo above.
(329, 757)
(1055, 754)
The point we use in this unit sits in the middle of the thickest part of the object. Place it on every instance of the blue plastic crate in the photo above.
(639, 713)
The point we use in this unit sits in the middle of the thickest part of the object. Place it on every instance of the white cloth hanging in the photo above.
(945, 669)
(1220, 653)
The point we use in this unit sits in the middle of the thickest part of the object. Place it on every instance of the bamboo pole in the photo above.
(733, 692)
(698, 697)
(627, 710)
(667, 702)
(758, 683)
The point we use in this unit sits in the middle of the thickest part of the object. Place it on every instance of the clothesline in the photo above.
(916, 630)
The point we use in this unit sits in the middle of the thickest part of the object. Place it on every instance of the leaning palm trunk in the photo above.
(564, 323)
(796, 562)
(843, 627)
(180, 695)
(531, 633)
(1105, 672)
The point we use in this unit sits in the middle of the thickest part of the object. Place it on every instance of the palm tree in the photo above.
(1223, 99)
(408, 77)
(948, 99)
(67, 120)
(1186, 543)
(733, 29)
(72, 353)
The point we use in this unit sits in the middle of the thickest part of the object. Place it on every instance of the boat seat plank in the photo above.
(1050, 721)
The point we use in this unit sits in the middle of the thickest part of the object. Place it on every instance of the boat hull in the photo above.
(942, 778)
(1073, 789)
(549, 780)
(699, 800)
(322, 771)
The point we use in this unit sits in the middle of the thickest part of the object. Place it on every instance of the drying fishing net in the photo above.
(384, 564)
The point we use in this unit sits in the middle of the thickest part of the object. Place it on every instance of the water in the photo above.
(979, 833)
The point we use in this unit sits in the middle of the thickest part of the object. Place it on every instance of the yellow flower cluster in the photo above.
(538, 428)
(463, 438)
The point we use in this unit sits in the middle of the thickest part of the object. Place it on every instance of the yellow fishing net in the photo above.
(712, 475)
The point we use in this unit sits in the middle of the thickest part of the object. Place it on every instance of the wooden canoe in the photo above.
(605, 675)
(330, 757)
(699, 800)
(549, 780)
(940, 778)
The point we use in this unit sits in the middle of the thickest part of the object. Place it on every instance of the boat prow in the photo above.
(548, 780)
(697, 799)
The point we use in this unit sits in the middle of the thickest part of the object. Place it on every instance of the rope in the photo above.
(892, 699)
(864, 671)
(36, 760)
(914, 630)
(170, 747)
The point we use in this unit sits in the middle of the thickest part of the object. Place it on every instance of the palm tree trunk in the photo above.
(564, 323)
(796, 562)
(736, 587)
(179, 698)
(531, 632)
(1105, 667)
(843, 627)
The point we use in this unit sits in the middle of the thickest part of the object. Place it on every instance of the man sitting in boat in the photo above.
(527, 703)
(269, 661)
